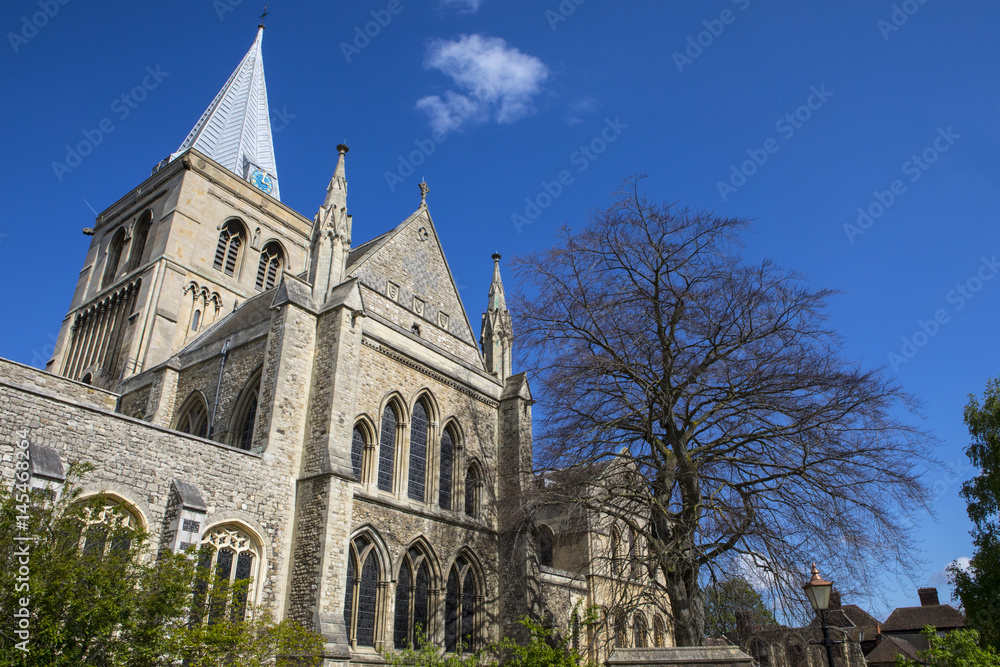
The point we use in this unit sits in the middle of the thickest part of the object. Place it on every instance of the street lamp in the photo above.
(818, 591)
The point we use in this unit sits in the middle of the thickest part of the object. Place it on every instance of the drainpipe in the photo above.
(218, 387)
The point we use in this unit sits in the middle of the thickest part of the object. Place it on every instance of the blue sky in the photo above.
(794, 114)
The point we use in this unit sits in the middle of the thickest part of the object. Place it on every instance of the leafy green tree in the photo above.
(978, 587)
(958, 648)
(726, 600)
(92, 594)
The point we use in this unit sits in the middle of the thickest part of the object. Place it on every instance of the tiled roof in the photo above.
(941, 616)
(888, 649)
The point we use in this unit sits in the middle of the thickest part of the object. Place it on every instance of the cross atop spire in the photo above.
(235, 129)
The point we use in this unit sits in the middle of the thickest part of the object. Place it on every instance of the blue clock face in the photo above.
(262, 180)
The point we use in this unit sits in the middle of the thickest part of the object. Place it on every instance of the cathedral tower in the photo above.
(204, 233)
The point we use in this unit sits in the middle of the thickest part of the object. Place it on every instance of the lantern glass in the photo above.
(819, 595)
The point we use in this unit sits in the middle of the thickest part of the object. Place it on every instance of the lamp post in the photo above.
(818, 591)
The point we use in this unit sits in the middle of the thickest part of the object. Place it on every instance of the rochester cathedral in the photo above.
(312, 407)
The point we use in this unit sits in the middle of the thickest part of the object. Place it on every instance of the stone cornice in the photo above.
(428, 371)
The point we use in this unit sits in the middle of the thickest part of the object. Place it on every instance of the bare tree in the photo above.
(753, 438)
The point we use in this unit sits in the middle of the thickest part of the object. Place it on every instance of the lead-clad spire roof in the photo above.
(235, 130)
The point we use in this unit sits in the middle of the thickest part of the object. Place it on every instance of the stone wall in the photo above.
(136, 462)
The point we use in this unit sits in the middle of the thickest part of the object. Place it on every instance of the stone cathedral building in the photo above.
(305, 397)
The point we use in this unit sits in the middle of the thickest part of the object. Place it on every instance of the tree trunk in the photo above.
(687, 602)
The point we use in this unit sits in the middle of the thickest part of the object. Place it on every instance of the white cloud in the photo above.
(942, 580)
(465, 6)
(494, 80)
(581, 109)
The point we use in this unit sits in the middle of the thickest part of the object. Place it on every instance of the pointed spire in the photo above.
(235, 130)
(498, 301)
(497, 336)
(336, 191)
(331, 234)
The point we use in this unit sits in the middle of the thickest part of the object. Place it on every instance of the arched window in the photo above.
(229, 561)
(616, 551)
(387, 448)
(460, 608)
(621, 630)
(195, 320)
(446, 469)
(139, 235)
(418, 452)
(545, 539)
(758, 651)
(659, 632)
(473, 489)
(227, 252)
(796, 653)
(113, 258)
(412, 600)
(193, 417)
(107, 528)
(361, 596)
(245, 415)
(639, 631)
(359, 440)
(269, 268)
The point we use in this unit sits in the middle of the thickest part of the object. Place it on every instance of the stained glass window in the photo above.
(447, 457)
(367, 600)
(639, 631)
(412, 600)
(401, 632)
(349, 597)
(460, 608)
(228, 558)
(387, 448)
(418, 452)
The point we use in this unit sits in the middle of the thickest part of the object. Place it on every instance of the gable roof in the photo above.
(411, 256)
(236, 128)
(889, 648)
(915, 619)
(859, 617)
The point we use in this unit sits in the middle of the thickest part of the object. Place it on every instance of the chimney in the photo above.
(928, 596)
(835, 599)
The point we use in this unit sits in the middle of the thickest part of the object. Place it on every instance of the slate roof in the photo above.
(915, 619)
(236, 127)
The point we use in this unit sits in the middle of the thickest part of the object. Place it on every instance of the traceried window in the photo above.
(659, 632)
(460, 608)
(227, 252)
(447, 469)
(269, 268)
(473, 489)
(361, 596)
(359, 440)
(113, 258)
(545, 539)
(387, 448)
(412, 599)
(194, 416)
(246, 414)
(139, 235)
(107, 528)
(228, 561)
(418, 452)
(639, 631)
(621, 631)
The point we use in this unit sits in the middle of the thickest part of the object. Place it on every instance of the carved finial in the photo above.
(342, 148)
(424, 189)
